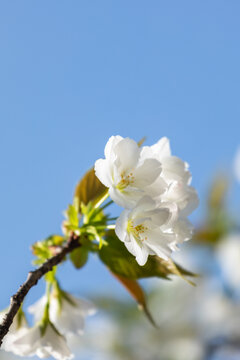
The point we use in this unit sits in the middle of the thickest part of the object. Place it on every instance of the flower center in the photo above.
(125, 181)
(137, 231)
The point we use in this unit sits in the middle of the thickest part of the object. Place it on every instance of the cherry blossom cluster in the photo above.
(153, 187)
(57, 318)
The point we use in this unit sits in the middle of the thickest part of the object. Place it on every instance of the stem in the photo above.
(99, 203)
(32, 279)
(45, 318)
(106, 205)
(97, 209)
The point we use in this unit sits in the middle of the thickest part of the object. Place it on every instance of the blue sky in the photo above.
(74, 73)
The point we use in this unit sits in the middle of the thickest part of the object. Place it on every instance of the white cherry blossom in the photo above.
(149, 229)
(154, 188)
(126, 173)
(67, 313)
(43, 344)
(175, 173)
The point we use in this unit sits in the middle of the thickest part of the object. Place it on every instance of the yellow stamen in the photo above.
(125, 181)
(136, 231)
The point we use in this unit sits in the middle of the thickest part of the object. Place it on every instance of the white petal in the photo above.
(70, 323)
(82, 306)
(37, 308)
(56, 345)
(173, 213)
(26, 344)
(147, 173)
(54, 309)
(126, 198)
(147, 153)
(157, 188)
(11, 337)
(103, 171)
(174, 169)
(132, 245)
(109, 148)
(162, 148)
(43, 353)
(121, 226)
(139, 252)
(160, 243)
(158, 217)
(185, 196)
(142, 256)
(127, 154)
(146, 203)
(183, 230)
(69, 319)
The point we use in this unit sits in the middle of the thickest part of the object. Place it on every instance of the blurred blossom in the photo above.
(236, 164)
(18, 328)
(67, 315)
(183, 348)
(34, 342)
(228, 255)
(187, 328)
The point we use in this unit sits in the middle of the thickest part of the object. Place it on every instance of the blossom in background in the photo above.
(148, 229)
(18, 328)
(228, 255)
(236, 164)
(35, 341)
(126, 173)
(67, 313)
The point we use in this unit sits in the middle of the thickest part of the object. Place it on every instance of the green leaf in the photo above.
(79, 257)
(55, 240)
(45, 249)
(72, 213)
(89, 188)
(93, 234)
(118, 259)
(21, 319)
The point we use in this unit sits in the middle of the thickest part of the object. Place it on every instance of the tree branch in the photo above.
(32, 279)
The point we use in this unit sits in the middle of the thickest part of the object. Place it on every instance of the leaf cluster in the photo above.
(45, 249)
(84, 217)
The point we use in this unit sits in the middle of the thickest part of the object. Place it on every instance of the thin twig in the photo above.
(32, 279)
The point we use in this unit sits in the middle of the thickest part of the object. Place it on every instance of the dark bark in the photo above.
(32, 279)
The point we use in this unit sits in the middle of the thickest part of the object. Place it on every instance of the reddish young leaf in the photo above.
(135, 290)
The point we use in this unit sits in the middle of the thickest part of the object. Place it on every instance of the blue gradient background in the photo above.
(73, 73)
